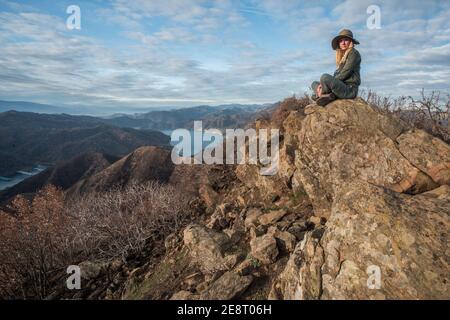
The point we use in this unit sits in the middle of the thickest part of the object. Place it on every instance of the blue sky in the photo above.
(191, 52)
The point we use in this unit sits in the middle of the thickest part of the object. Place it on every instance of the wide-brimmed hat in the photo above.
(345, 33)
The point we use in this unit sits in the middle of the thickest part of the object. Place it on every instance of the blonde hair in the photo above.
(341, 55)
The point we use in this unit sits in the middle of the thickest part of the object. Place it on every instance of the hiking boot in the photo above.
(325, 99)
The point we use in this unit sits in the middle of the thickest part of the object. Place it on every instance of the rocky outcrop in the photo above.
(385, 236)
(380, 196)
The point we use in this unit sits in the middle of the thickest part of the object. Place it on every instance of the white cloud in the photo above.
(197, 56)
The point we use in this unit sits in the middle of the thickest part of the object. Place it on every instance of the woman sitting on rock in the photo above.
(346, 79)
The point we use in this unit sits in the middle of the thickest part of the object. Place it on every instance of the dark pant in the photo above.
(338, 87)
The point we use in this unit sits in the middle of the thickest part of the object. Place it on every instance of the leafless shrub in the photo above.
(33, 244)
(43, 237)
(120, 221)
(384, 104)
(430, 112)
(286, 106)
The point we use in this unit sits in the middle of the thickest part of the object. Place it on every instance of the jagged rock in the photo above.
(374, 180)
(286, 240)
(218, 221)
(193, 280)
(245, 267)
(236, 232)
(92, 269)
(264, 248)
(262, 186)
(184, 295)
(206, 247)
(208, 195)
(301, 278)
(404, 236)
(229, 286)
(443, 192)
(311, 108)
(349, 140)
(297, 231)
(290, 128)
(271, 217)
(315, 220)
(427, 153)
(251, 218)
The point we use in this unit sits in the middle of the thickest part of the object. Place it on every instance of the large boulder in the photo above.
(207, 248)
(271, 217)
(264, 248)
(349, 140)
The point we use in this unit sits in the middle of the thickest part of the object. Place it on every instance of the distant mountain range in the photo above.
(220, 117)
(158, 118)
(25, 106)
(105, 112)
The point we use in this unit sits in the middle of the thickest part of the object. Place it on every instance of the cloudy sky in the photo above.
(145, 53)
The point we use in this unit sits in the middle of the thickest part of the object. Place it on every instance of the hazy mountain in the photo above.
(34, 138)
(107, 112)
(31, 107)
(223, 116)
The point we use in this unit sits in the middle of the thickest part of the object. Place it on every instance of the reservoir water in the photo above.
(19, 177)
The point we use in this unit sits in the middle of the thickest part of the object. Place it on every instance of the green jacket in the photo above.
(349, 72)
